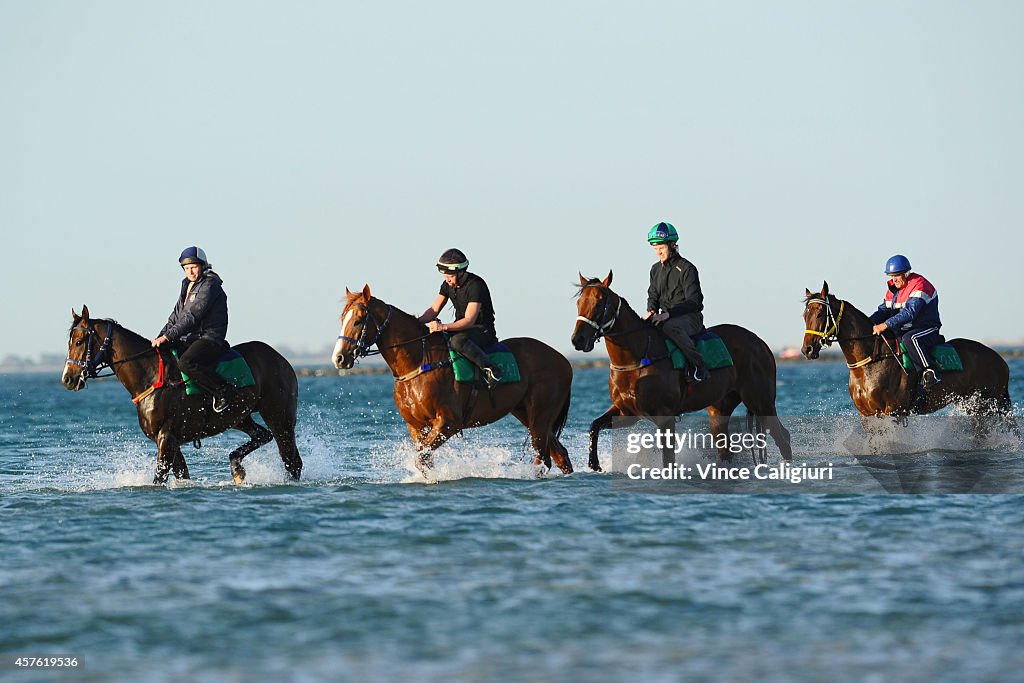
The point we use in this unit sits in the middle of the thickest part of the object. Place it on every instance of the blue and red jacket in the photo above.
(913, 306)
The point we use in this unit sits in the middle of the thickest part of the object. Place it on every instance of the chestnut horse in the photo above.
(879, 385)
(433, 406)
(657, 392)
(167, 415)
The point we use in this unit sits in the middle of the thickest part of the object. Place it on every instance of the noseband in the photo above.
(362, 347)
(93, 364)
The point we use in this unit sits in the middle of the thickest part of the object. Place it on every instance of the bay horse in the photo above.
(167, 415)
(879, 385)
(654, 390)
(433, 406)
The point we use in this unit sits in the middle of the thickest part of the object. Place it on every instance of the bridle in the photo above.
(362, 347)
(603, 327)
(831, 332)
(93, 364)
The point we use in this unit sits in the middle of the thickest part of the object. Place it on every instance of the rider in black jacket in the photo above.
(674, 298)
(199, 322)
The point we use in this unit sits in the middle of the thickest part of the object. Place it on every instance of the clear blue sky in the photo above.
(309, 146)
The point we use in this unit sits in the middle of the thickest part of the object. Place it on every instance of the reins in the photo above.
(94, 365)
(605, 330)
(831, 334)
(363, 350)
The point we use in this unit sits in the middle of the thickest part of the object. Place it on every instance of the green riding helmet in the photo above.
(663, 233)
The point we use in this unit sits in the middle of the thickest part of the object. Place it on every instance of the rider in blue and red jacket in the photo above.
(911, 311)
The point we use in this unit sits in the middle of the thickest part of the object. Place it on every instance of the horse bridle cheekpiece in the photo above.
(362, 347)
(602, 328)
(831, 331)
(93, 364)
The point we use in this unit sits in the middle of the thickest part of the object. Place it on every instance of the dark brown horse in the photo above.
(433, 405)
(167, 415)
(656, 391)
(878, 383)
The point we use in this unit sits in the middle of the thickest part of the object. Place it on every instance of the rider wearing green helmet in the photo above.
(674, 299)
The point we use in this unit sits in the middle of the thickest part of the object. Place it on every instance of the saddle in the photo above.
(232, 366)
(943, 356)
(499, 354)
(709, 345)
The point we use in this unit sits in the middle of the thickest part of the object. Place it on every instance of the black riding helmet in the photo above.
(452, 262)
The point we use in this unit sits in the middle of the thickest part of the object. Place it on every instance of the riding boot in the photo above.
(491, 372)
(224, 396)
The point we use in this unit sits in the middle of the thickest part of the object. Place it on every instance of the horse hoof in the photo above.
(238, 475)
(424, 469)
(157, 481)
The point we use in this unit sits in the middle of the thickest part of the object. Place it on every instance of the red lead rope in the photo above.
(158, 384)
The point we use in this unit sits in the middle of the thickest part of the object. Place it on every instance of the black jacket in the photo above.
(203, 316)
(675, 287)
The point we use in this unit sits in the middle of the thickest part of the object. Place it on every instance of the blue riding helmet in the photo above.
(193, 255)
(897, 264)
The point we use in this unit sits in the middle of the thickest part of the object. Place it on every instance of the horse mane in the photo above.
(110, 321)
(596, 282)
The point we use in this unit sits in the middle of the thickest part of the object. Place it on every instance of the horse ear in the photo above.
(348, 294)
(366, 291)
(85, 313)
(75, 317)
(608, 280)
(824, 289)
(583, 280)
(808, 293)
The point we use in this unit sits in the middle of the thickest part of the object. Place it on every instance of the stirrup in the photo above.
(224, 401)
(929, 378)
(492, 376)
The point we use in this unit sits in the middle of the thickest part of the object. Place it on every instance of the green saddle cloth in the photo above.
(711, 348)
(944, 356)
(506, 362)
(232, 367)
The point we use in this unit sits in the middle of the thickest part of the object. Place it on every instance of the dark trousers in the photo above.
(919, 343)
(471, 344)
(199, 362)
(680, 329)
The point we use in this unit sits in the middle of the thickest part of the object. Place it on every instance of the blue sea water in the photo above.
(362, 571)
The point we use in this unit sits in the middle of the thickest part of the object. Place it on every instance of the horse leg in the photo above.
(546, 445)
(1006, 410)
(764, 409)
(602, 422)
(718, 416)
(168, 452)
(280, 418)
(428, 440)
(258, 436)
(178, 465)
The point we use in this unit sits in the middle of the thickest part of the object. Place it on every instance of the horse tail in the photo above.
(563, 416)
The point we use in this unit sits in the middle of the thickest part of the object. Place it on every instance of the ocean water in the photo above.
(363, 571)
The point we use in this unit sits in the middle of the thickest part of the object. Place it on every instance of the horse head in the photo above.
(597, 309)
(820, 324)
(355, 321)
(88, 349)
